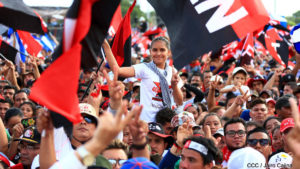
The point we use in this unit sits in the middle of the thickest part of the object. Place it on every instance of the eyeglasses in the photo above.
(89, 119)
(262, 142)
(115, 161)
(232, 133)
(27, 147)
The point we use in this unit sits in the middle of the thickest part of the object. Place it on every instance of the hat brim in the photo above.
(286, 127)
(250, 82)
(27, 140)
(160, 135)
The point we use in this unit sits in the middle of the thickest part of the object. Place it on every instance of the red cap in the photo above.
(286, 124)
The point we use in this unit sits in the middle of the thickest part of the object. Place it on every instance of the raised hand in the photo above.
(175, 78)
(95, 95)
(44, 121)
(293, 138)
(184, 131)
(17, 131)
(116, 89)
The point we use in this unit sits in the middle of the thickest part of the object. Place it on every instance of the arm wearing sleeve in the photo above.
(168, 160)
(199, 94)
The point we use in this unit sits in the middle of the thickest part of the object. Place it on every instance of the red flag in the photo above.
(248, 48)
(121, 47)
(30, 44)
(270, 39)
(115, 22)
(57, 87)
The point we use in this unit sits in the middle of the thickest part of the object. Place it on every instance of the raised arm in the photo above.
(177, 93)
(123, 71)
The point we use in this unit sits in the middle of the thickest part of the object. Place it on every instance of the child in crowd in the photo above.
(239, 76)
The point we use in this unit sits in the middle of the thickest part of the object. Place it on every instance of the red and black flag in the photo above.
(15, 14)
(121, 47)
(115, 22)
(8, 51)
(277, 46)
(102, 13)
(86, 25)
(196, 27)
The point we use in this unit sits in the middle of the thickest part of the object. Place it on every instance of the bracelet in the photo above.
(139, 146)
(177, 146)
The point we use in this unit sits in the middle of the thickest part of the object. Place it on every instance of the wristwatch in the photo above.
(86, 157)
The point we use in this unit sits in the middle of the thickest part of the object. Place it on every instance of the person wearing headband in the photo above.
(198, 153)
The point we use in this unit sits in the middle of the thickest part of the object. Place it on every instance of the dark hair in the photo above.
(6, 101)
(282, 102)
(161, 38)
(11, 113)
(10, 87)
(229, 96)
(196, 74)
(213, 153)
(117, 144)
(270, 118)
(203, 107)
(5, 81)
(293, 85)
(251, 123)
(274, 129)
(19, 91)
(233, 121)
(258, 130)
(210, 114)
(32, 105)
(164, 116)
(257, 101)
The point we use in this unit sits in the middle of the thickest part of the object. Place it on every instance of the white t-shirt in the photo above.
(150, 92)
(237, 92)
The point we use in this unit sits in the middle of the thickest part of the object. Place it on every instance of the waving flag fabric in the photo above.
(57, 87)
(199, 26)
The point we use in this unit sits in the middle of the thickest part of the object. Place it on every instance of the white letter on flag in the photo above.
(218, 20)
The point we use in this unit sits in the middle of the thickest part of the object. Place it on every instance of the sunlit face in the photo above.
(3, 108)
(213, 122)
(287, 90)
(27, 110)
(191, 159)
(159, 53)
(115, 155)
(271, 108)
(277, 140)
(259, 113)
(20, 98)
(194, 111)
(257, 86)
(271, 124)
(156, 143)
(239, 79)
(264, 149)
(237, 141)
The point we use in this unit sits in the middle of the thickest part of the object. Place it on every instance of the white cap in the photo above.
(219, 78)
(280, 160)
(246, 158)
(237, 69)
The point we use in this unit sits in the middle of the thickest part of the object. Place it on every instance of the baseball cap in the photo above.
(239, 69)
(279, 160)
(270, 100)
(157, 129)
(30, 135)
(268, 92)
(101, 163)
(219, 132)
(182, 117)
(286, 124)
(288, 78)
(88, 109)
(139, 163)
(241, 158)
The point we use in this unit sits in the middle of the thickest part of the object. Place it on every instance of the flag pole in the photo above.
(91, 81)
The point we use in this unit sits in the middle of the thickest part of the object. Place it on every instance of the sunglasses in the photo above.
(89, 119)
(115, 161)
(262, 142)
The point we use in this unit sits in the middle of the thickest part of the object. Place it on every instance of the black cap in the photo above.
(289, 78)
(30, 135)
(157, 129)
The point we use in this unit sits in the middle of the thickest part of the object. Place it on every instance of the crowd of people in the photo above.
(201, 116)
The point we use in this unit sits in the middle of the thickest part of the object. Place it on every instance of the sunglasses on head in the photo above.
(262, 142)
